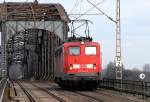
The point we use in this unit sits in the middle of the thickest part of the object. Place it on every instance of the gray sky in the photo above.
(135, 28)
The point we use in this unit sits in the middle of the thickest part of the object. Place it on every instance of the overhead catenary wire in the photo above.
(80, 6)
(75, 2)
(110, 18)
(75, 6)
(90, 9)
(85, 13)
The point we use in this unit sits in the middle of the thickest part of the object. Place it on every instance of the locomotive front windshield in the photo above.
(90, 50)
(74, 50)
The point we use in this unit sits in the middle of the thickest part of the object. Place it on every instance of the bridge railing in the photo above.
(134, 87)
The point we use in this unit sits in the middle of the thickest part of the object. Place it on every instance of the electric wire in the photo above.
(76, 4)
(110, 18)
(76, 8)
(90, 9)
(80, 6)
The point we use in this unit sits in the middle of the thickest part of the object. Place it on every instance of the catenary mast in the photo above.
(118, 43)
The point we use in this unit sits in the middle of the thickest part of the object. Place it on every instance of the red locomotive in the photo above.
(78, 64)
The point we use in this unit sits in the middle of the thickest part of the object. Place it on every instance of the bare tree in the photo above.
(132, 74)
(110, 71)
(146, 68)
(128, 74)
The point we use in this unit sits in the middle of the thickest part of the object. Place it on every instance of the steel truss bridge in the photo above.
(30, 32)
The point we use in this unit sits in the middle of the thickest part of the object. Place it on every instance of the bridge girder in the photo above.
(19, 17)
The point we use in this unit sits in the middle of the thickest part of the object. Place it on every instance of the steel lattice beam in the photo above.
(17, 18)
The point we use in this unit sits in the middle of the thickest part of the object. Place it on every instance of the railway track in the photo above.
(3, 86)
(101, 96)
(30, 97)
(51, 94)
(75, 93)
(117, 96)
(84, 96)
(46, 92)
(93, 99)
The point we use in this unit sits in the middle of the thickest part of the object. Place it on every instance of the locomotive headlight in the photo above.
(89, 65)
(71, 68)
(82, 42)
(94, 66)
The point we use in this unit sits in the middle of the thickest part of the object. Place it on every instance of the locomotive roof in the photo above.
(79, 43)
(77, 39)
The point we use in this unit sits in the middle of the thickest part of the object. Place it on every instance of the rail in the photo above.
(3, 87)
(48, 92)
(26, 92)
(88, 96)
(134, 87)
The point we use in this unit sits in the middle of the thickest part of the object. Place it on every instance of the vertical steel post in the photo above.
(144, 89)
(3, 51)
(119, 66)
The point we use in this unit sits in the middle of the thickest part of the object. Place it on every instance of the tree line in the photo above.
(128, 74)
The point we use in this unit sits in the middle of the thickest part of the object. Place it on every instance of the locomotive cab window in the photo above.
(90, 50)
(74, 50)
